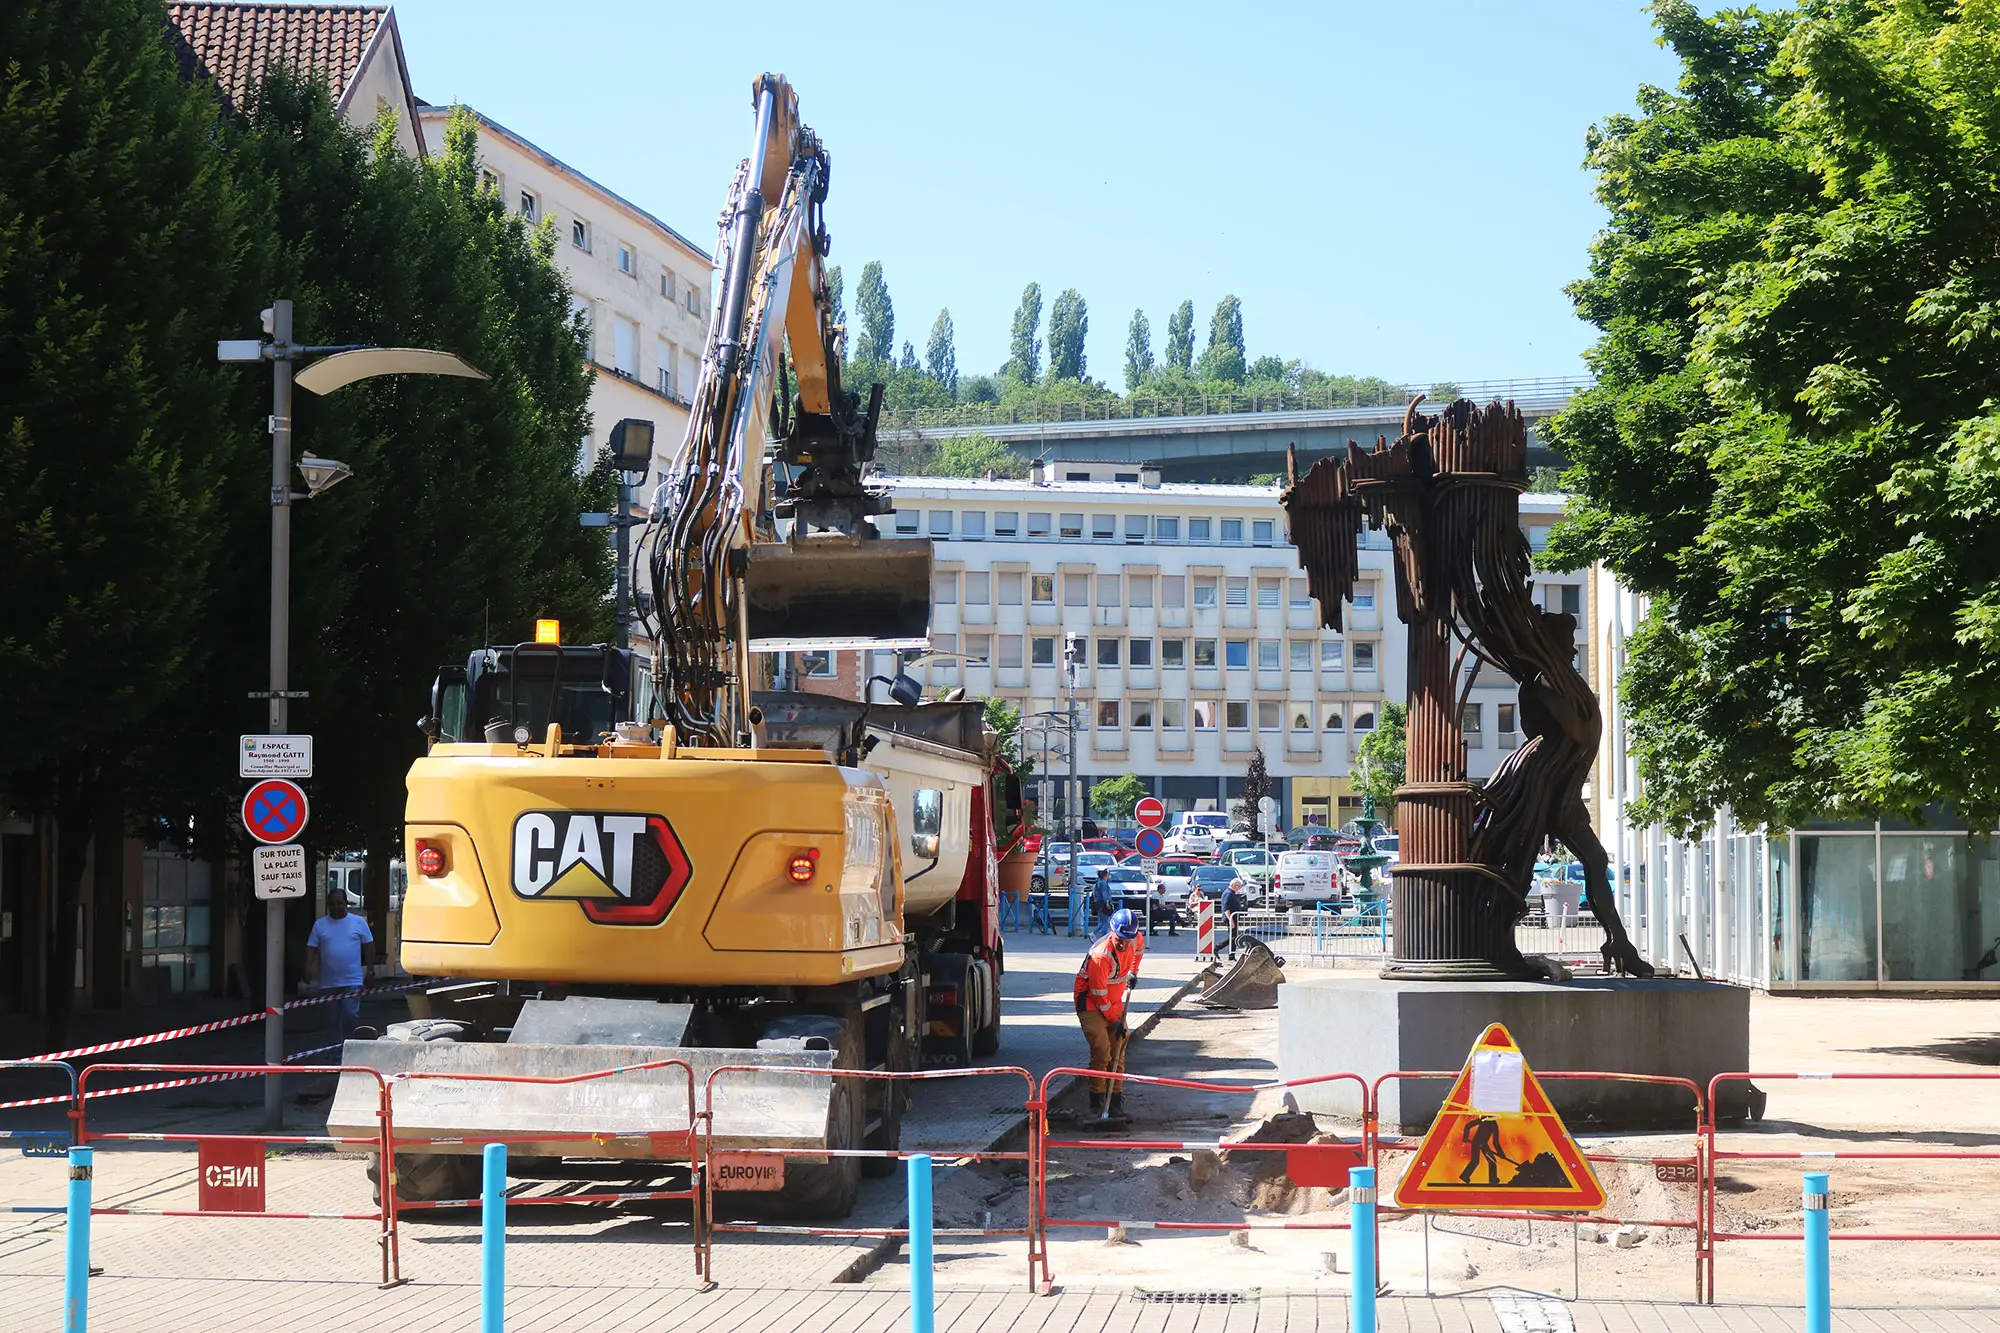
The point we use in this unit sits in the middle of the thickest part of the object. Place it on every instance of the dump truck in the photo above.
(620, 857)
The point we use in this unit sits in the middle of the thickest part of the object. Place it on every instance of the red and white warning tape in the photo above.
(296, 1057)
(219, 1024)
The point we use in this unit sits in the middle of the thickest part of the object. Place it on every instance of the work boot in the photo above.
(1097, 1106)
(1116, 1110)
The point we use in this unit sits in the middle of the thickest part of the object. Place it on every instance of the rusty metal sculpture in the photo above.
(1447, 490)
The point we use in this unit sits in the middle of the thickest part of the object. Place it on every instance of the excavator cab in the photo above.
(512, 694)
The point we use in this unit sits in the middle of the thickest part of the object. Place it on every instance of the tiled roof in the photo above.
(235, 44)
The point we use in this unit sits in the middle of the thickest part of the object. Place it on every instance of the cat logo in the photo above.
(623, 869)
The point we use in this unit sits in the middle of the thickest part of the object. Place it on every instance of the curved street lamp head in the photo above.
(344, 368)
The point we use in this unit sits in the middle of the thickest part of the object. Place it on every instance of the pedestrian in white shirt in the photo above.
(339, 953)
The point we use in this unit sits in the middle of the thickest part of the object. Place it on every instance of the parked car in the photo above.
(1087, 863)
(1306, 878)
(1127, 839)
(1191, 840)
(1107, 845)
(1049, 871)
(1320, 840)
(1171, 877)
(1295, 836)
(1255, 865)
(1212, 879)
(1132, 887)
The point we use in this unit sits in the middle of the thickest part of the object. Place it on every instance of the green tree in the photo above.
(940, 357)
(836, 294)
(1224, 358)
(877, 314)
(1114, 798)
(1379, 759)
(126, 247)
(1069, 322)
(1180, 337)
(909, 363)
(1138, 351)
(975, 455)
(1024, 345)
(1793, 446)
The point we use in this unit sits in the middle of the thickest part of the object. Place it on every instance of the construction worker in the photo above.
(1103, 989)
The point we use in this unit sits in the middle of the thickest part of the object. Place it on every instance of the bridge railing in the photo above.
(1531, 394)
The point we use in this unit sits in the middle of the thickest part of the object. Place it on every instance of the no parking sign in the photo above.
(275, 810)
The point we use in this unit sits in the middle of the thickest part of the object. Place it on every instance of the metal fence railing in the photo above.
(1321, 936)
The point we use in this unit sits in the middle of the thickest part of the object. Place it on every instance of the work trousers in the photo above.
(1106, 1051)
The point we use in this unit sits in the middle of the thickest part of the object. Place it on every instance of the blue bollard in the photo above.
(1361, 1221)
(76, 1270)
(923, 1308)
(493, 1240)
(1819, 1280)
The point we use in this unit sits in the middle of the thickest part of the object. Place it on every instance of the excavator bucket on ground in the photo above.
(1250, 981)
(832, 591)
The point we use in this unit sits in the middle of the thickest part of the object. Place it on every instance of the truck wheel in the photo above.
(426, 1177)
(986, 1041)
(950, 972)
(826, 1191)
(893, 1098)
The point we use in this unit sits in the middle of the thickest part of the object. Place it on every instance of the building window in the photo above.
(1038, 525)
(625, 348)
(1538, 539)
(1135, 529)
(1267, 594)
(628, 264)
(1103, 527)
(1070, 528)
(1107, 652)
(1236, 714)
(1469, 721)
(1572, 599)
(1236, 592)
(1173, 715)
(1204, 594)
(1140, 653)
(972, 525)
(1204, 714)
(1364, 595)
(1236, 654)
(979, 646)
(907, 521)
(665, 354)
(579, 234)
(1107, 715)
(489, 181)
(584, 312)
(1006, 524)
(1204, 654)
(1076, 590)
(1166, 529)
(1232, 532)
(1044, 651)
(1270, 716)
(1301, 719)
(1173, 653)
(1506, 719)
(1010, 650)
(1010, 589)
(694, 301)
(1334, 722)
(1142, 715)
(944, 589)
(1042, 589)
(818, 665)
(1302, 655)
(1140, 588)
(668, 283)
(1364, 657)
(1198, 531)
(1263, 531)
(1173, 591)
(1267, 654)
(1365, 720)
(978, 587)
(946, 644)
(531, 206)
(1107, 589)
(1301, 599)
(940, 523)
(1330, 655)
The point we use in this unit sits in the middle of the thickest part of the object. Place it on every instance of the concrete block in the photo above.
(1370, 1026)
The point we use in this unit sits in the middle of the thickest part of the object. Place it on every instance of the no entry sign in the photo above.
(1150, 812)
(275, 811)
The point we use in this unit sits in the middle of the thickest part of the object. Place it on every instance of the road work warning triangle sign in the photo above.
(1498, 1143)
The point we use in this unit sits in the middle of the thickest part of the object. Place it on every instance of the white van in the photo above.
(1196, 832)
(1305, 878)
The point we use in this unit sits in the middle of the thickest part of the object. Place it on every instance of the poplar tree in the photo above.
(1180, 337)
(1069, 322)
(1138, 351)
(940, 357)
(877, 315)
(1225, 358)
(1024, 347)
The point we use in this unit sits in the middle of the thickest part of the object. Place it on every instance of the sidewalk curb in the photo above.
(878, 1253)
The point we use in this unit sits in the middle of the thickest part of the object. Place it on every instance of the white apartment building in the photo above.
(642, 288)
(1200, 642)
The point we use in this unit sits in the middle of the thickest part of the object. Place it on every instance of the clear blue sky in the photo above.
(1391, 188)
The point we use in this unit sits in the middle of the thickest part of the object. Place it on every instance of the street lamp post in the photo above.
(346, 364)
(632, 457)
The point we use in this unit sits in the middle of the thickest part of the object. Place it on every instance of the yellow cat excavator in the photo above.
(618, 858)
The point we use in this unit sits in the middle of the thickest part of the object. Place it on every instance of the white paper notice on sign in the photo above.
(274, 757)
(280, 871)
(1496, 1082)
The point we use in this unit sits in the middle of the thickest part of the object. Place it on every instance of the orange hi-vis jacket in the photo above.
(1104, 982)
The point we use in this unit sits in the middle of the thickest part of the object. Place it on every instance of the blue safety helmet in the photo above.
(1124, 925)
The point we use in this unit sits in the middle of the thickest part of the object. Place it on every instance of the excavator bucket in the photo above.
(1250, 981)
(838, 592)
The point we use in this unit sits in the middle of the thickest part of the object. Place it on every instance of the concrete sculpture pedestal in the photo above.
(1373, 1026)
